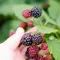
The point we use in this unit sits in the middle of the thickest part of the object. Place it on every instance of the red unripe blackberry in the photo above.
(48, 57)
(30, 23)
(32, 51)
(26, 39)
(11, 33)
(39, 58)
(27, 13)
(37, 38)
(44, 46)
(23, 25)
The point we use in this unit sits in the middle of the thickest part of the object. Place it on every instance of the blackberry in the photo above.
(44, 46)
(32, 51)
(27, 13)
(37, 38)
(39, 58)
(23, 25)
(28, 56)
(36, 12)
(27, 39)
(30, 23)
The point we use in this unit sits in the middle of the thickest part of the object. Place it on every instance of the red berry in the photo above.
(27, 13)
(23, 25)
(44, 46)
(30, 23)
(33, 51)
(48, 57)
(39, 58)
(11, 33)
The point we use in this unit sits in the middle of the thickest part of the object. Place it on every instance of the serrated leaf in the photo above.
(54, 47)
(46, 30)
(18, 9)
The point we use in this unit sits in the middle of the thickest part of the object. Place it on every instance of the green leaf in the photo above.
(7, 27)
(54, 10)
(14, 24)
(54, 47)
(46, 30)
(48, 19)
(58, 21)
(4, 31)
(18, 9)
(6, 10)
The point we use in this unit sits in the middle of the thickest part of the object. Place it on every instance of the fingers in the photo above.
(14, 40)
(32, 30)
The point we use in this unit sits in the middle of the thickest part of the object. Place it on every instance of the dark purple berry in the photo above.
(36, 12)
(37, 38)
(27, 39)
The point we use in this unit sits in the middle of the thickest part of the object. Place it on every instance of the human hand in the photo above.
(9, 49)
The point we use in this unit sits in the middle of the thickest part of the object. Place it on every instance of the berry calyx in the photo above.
(23, 25)
(44, 46)
(27, 13)
(37, 38)
(36, 12)
(27, 39)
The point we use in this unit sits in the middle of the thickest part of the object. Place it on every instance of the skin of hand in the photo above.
(9, 49)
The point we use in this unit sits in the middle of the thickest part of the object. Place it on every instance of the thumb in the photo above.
(14, 40)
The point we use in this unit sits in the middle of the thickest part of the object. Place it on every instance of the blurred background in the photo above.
(10, 15)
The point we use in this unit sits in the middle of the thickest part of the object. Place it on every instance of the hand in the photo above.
(9, 49)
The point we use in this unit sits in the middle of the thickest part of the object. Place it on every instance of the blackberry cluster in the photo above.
(27, 39)
(36, 12)
(37, 38)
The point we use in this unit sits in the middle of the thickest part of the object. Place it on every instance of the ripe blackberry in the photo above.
(32, 51)
(27, 39)
(44, 46)
(27, 13)
(37, 38)
(36, 12)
